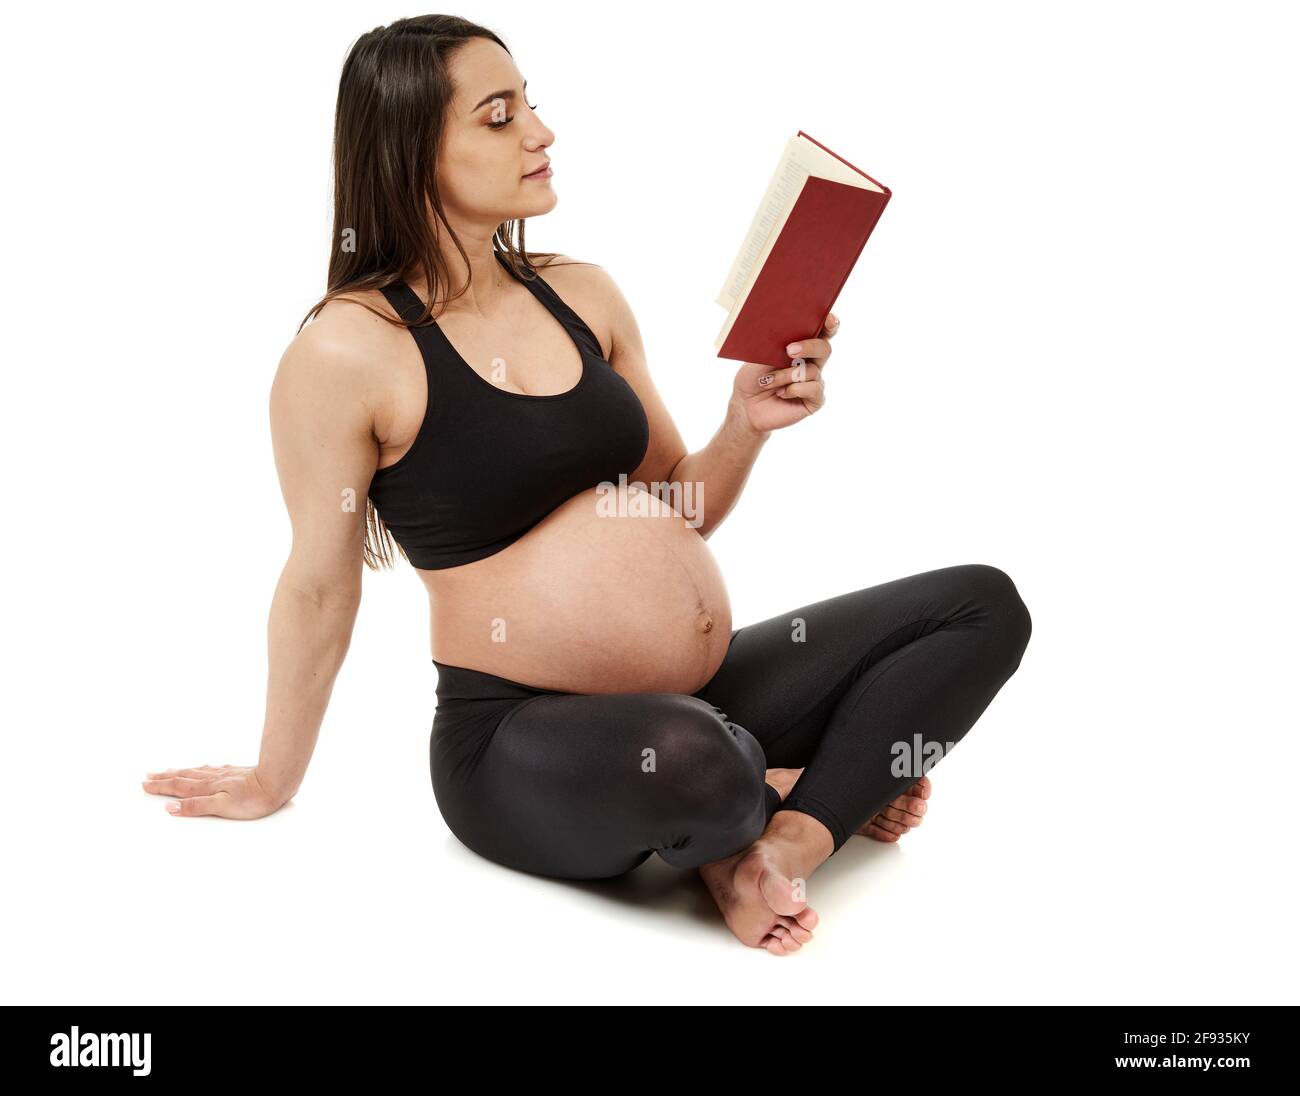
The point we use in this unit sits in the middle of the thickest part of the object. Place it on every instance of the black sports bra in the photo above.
(487, 464)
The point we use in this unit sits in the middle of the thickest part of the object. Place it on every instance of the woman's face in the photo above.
(491, 140)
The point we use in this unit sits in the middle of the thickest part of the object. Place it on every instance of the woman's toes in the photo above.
(872, 830)
(780, 942)
(800, 934)
(903, 815)
(888, 820)
(790, 932)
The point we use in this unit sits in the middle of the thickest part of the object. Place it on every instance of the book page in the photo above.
(757, 265)
(787, 181)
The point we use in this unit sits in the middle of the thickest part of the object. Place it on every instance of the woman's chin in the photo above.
(538, 204)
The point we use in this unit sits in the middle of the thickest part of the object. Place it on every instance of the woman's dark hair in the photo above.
(388, 122)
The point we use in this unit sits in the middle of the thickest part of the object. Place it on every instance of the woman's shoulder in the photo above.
(346, 329)
(564, 271)
(343, 348)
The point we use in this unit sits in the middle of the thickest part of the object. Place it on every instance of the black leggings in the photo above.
(866, 690)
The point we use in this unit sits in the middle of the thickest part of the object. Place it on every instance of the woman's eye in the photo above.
(502, 125)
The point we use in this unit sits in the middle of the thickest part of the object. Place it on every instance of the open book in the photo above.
(804, 240)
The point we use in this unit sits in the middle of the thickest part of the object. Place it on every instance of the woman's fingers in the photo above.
(192, 787)
(811, 350)
(831, 325)
(176, 785)
(812, 391)
(197, 805)
(790, 375)
(231, 791)
(195, 795)
(803, 382)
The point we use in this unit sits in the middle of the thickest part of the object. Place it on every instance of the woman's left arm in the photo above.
(763, 399)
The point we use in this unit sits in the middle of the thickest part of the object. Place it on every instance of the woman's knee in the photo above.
(995, 595)
(711, 769)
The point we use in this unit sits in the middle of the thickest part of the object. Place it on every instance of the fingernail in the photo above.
(794, 348)
(173, 806)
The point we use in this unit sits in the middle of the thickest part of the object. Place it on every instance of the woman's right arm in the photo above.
(325, 455)
(322, 431)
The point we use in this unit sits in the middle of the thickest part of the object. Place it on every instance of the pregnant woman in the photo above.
(594, 703)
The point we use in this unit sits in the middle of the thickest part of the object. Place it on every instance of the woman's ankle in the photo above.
(808, 837)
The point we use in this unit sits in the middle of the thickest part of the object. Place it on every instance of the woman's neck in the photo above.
(485, 287)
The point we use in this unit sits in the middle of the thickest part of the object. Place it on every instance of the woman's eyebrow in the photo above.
(506, 93)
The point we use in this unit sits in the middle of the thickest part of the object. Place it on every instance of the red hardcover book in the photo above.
(810, 228)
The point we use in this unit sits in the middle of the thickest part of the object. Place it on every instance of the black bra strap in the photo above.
(407, 305)
(554, 303)
(404, 301)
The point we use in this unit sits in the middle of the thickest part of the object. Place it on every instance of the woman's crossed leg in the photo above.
(865, 692)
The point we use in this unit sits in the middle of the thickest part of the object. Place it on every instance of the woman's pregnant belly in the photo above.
(610, 593)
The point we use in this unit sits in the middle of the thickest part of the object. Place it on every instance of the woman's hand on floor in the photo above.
(228, 791)
(776, 398)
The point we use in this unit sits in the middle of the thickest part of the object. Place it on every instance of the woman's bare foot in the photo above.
(761, 890)
(890, 824)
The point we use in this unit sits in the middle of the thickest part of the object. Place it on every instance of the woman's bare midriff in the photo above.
(610, 593)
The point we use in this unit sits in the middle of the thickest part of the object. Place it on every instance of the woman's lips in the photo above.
(541, 173)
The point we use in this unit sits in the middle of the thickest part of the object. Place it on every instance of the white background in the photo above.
(1069, 350)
